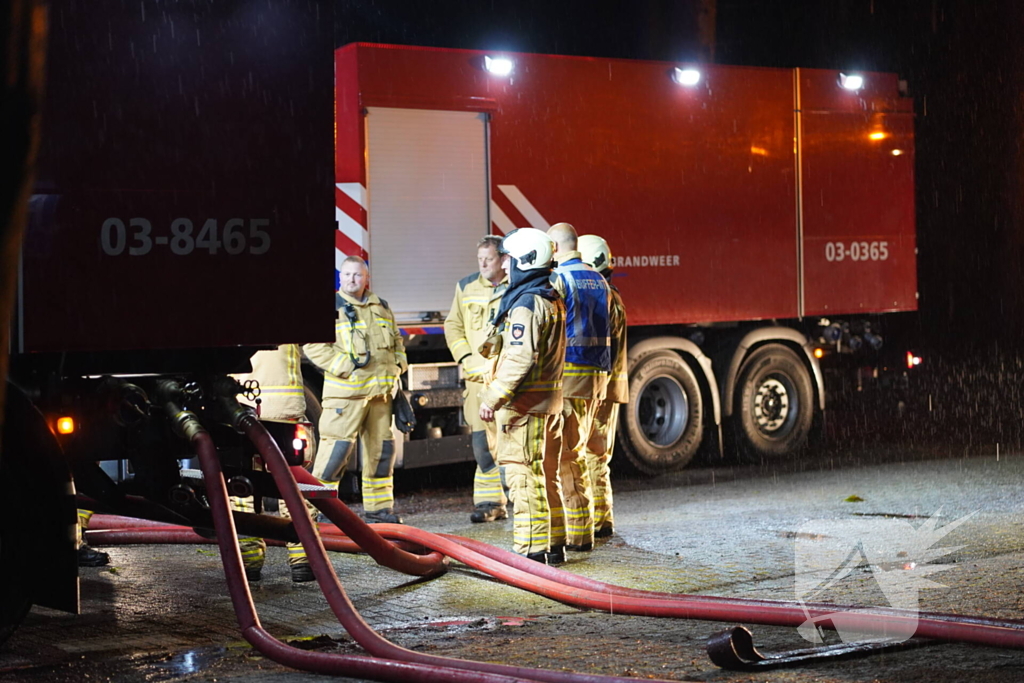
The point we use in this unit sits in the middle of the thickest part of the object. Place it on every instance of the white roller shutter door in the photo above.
(428, 196)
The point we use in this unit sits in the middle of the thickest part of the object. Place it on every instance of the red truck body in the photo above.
(742, 211)
(757, 194)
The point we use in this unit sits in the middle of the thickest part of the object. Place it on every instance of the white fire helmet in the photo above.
(595, 252)
(531, 248)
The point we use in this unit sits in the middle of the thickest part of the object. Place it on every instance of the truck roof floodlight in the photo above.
(687, 76)
(499, 66)
(851, 81)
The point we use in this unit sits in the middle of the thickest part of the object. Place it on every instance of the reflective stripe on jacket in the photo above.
(527, 376)
(279, 374)
(618, 383)
(469, 320)
(373, 331)
(588, 356)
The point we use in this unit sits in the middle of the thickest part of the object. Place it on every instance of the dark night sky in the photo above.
(963, 59)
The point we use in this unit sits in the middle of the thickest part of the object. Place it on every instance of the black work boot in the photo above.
(582, 548)
(253, 573)
(488, 512)
(556, 555)
(302, 573)
(90, 557)
(387, 516)
(541, 557)
(605, 531)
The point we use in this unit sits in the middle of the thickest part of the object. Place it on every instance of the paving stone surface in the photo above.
(161, 612)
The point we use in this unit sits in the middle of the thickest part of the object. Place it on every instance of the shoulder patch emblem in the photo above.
(517, 330)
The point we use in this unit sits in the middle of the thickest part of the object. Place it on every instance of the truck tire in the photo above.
(664, 419)
(775, 404)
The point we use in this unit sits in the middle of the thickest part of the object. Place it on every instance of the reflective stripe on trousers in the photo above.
(598, 455)
(568, 479)
(524, 443)
(488, 487)
(342, 422)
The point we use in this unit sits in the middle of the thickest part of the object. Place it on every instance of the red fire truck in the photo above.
(758, 217)
(182, 219)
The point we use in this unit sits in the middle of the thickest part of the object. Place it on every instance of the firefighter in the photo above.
(477, 298)
(523, 394)
(587, 367)
(87, 555)
(594, 251)
(282, 399)
(361, 369)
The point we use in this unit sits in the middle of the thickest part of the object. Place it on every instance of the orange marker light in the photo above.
(65, 425)
(819, 353)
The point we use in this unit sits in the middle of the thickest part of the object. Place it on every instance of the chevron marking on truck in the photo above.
(351, 238)
(524, 207)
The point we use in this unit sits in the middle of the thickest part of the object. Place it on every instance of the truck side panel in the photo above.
(183, 191)
(857, 157)
(694, 188)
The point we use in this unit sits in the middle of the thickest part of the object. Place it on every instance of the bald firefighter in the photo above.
(587, 368)
(361, 369)
(524, 389)
(477, 298)
(282, 400)
(594, 251)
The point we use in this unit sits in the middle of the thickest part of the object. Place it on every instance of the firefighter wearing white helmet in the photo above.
(523, 393)
(587, 368)
(598, 451)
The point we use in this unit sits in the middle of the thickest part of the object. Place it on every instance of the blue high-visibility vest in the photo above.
(587, 325)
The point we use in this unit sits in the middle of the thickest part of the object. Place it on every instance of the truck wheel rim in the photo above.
(662, 411)
(774, 406)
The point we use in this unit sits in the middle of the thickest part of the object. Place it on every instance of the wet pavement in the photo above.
(161, 613)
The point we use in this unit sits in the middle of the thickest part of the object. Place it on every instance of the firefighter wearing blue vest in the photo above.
(588, 364)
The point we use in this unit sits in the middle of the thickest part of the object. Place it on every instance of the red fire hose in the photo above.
(518, 571)
(121, 532)
(241, 598)
(340, 604)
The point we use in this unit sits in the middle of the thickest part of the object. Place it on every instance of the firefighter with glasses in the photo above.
(477, 298)
(361, 369)
(523, 394)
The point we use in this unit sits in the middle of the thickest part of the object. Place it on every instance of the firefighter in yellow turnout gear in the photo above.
(594, 251)
(361, 369)
(587, 368)
(281, 399)
(524, 389)
(477, 298)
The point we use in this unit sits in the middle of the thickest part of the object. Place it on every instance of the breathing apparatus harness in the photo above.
(358, 360)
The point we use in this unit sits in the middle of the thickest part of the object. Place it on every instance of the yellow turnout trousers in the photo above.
(525, 441)
(254, 549)
(598, 455)
(572, 515)
(487, 487)
(343, 421)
